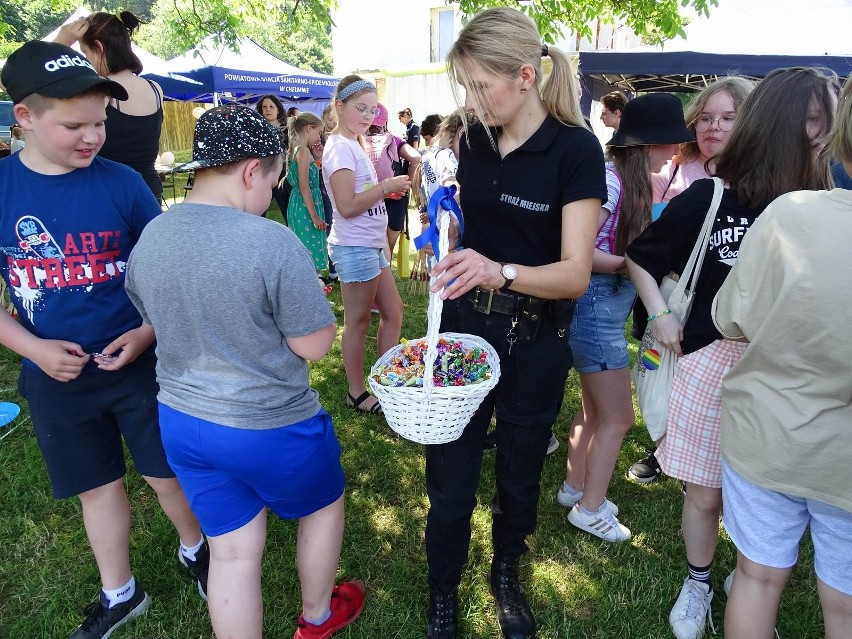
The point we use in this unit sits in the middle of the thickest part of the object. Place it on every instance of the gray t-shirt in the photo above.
(223, 290)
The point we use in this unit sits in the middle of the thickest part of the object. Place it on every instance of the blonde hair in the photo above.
(840, 138)
(295, 126)
(735, 86)
(450, 125)
(501, 41)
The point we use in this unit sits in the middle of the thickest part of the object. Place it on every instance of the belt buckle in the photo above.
(487, 309)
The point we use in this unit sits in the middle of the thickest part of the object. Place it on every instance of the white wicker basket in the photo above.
(429, 414)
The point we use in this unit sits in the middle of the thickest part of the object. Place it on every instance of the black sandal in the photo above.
(356, 403)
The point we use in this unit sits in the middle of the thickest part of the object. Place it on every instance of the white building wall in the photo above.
(382, 34)
(405, 71)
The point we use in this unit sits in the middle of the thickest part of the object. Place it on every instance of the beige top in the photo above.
(787, 404)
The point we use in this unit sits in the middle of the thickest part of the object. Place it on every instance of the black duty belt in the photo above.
(486, 300)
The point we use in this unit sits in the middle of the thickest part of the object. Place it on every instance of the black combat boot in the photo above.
(443, 614)
(513, 612)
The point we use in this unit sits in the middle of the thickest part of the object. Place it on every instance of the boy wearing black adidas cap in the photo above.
(238, 312)
(68, 221)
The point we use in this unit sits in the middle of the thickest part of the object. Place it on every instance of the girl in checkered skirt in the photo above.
(773, 148)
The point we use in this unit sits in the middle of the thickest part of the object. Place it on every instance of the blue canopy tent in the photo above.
(687, 70)
(744, 37)
(217, 74)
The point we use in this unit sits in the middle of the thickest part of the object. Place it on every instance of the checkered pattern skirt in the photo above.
(690, 449)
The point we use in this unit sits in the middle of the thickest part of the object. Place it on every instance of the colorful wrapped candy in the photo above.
(455, 365)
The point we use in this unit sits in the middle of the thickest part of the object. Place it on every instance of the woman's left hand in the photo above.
(466, 268)
(318, 223)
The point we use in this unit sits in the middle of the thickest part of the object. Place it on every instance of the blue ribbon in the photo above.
(445, 198)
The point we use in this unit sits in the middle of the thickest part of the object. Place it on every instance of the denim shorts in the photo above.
(357, 263)
(80, 425)
(597, 329)
(230, 474)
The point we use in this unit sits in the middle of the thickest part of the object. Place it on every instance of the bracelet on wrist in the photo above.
(665, 311)
(382, 187)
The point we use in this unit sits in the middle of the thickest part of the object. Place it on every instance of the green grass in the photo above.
(578, 586)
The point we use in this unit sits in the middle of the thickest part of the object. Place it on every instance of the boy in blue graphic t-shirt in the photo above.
(68, 221)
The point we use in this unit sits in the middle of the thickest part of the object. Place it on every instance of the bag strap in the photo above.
(696, 258)
(669, 185)
(610, 237)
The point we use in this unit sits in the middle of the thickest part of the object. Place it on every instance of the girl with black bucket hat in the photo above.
(651, 128)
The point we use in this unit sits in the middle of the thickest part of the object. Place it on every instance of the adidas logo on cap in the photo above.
(67, 61)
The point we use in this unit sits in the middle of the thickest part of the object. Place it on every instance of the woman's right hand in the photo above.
(398, 184)
(71, 32)
(668, 331)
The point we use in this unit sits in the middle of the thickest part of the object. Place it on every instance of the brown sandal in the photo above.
(357, 403)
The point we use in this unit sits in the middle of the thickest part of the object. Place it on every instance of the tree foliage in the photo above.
(289, 29)
(298, 30)
(653, 20)
(32, 19)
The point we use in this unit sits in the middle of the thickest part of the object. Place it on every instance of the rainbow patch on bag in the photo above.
(651, 359)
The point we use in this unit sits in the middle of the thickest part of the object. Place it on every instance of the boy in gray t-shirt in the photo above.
(238, 311)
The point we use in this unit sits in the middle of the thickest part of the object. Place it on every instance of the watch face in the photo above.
(509, 272)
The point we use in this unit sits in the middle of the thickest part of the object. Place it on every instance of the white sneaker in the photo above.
(601, 524)
(553, 444)
(691, 610)
(568, 500)
(729, 582)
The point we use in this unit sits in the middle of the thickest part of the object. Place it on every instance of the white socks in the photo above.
(121, 594)
(189, 552)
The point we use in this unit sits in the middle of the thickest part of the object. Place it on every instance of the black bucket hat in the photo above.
(653, 118)
(229, 134)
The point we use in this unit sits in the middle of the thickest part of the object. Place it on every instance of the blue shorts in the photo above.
(357, 263)
(597, 329)
(230, 474)
(79, 425)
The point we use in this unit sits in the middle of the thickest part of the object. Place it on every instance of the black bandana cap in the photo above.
(229, 134)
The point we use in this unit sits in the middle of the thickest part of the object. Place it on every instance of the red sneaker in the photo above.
(347, 602)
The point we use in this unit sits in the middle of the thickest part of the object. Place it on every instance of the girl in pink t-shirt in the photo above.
(710, 116)
(358, 236)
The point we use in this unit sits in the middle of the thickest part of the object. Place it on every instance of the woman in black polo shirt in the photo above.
(531, 184)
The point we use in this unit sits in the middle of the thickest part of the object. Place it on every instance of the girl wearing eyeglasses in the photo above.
(358, 241)
(709, 116)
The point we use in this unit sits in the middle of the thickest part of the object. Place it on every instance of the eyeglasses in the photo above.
(705, 122)
(365, 111)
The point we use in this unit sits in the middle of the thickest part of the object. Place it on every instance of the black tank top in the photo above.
(134, 140)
